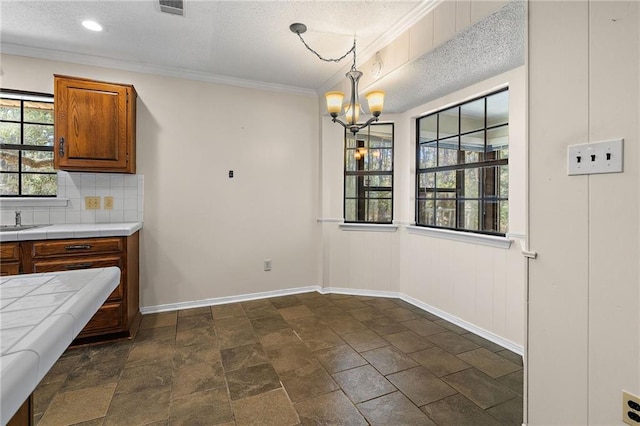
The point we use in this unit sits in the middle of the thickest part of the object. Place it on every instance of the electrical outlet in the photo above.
(91, 203)
(267, 264)
(594, 158)
(108, 202)
(630, 408)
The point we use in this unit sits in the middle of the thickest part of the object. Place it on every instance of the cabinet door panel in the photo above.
(108, 318)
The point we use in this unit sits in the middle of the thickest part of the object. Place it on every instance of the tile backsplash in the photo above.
(127, 192)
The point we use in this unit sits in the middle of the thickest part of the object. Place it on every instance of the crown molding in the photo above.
(105, 62)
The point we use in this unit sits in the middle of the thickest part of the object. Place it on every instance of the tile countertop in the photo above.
(40, 315)
(85, 230)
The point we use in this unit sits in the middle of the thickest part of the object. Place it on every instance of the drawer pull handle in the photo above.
(79, 266)
(78, 247)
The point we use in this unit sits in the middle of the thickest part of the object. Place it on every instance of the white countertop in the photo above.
(85, 230)
(40, 315)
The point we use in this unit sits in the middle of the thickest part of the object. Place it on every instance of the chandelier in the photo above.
(375, 99)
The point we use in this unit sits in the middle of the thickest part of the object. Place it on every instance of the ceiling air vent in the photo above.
(175, 7)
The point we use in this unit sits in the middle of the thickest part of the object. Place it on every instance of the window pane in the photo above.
(490, 215)
(471, 183)
(8, 160)
(503, 182)
(350, 186)
(350, 140)
(448, 152)
(37, 161)
(472, 116)
(10, 109)
(10, 133)
(471, 215)
(427, 155)
(33, 184)
(378, 210)
(426, 215)
(381, 136)
(448, 123)
(428, 128)
(38, 112)
(473, 147)
(378, 194)
(446, 213)
(498, 141)
(446, 179)
(350, 160)
(378, 160)
(498, 108)
(426, 185)
(38, 134)
(384, 181)
(8, 184)
(504, 217)
(350, 210)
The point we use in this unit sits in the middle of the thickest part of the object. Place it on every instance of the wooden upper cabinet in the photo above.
(95, 125)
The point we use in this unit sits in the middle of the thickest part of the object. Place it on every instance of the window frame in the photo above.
(485, 167)
(365, 173)
(20, 148)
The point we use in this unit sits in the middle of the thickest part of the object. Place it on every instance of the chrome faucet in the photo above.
(18, 218)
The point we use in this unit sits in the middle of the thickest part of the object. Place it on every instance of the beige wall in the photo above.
(584, 286)
(206, 235)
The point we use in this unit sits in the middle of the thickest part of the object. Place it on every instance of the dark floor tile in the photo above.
(514, 381)
(452, 343)
(487, 344)
(139, 408)
(75, 406)
(150, 353)
(232, 310)
(450, 326)
(191, 378)
(43, 395)
(251, 381)
(439, 361)
(338, 296)
(136, 379)
(321, 339)
(232, 332)
(93, 422)
(307, 324)
(307, 382)
(329, 409)
(62, 368)
(349, 304)
(511, 356)
(363, 383)
(159, 334)
(196, 354)
(259, 309)
(293, 312)
(285, 301)
(381, 304)
(197, 336)
(508, 413)
(488, 362)
(243, 356)
(404, 304)
(107, 352)
(339, 358)
(266, 325)
(291, 357)
(195, 321)
(393, 409)
(202, 408)
(279, 339)
(345, 324)
(401, 314)
(385, 325)
(389, 360)
(328, 311)
(408, 341)
(317, 302)
(423, 327)
(365, 314)
(267, 409)
(458, 410)
(94, 374)
(206, 311)
(428, 315)
(308, 295)
(479, 388)
(161, 319)
(421, 386)
(365, 340)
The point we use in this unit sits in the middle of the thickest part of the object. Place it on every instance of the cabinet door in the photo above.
(94, 125)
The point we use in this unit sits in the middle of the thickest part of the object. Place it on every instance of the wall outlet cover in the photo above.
(91, 203)
(630, 408)
(108, 203)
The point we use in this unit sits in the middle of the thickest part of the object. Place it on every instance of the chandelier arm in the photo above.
(353, 49)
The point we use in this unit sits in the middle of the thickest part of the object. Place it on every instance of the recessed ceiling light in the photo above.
(92, 25)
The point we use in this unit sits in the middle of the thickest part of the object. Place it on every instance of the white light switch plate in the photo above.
(597, 157)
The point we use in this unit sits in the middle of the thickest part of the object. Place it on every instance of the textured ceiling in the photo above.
(244, 40)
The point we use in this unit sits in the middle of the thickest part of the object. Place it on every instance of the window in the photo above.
(368, 175)
(462, 171)
(26, 145)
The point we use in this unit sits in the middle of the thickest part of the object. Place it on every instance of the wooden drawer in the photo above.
(84, 263)
(76, 247)
(9, 268)
(9, 252)
(108, 318)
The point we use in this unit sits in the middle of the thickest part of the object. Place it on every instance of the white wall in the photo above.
(206, 235)
(584, 292)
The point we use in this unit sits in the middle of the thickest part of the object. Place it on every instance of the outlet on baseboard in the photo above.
(630, 408)
(92, 203)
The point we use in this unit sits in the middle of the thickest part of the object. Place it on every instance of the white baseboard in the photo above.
(339, 290)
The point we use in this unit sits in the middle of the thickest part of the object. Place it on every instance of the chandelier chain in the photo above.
(353, 49)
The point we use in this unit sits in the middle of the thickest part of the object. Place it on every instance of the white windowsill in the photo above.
(466, 237)
(371, 227)
(15, 202)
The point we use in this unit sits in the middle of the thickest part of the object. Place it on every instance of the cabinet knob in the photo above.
(61, 150)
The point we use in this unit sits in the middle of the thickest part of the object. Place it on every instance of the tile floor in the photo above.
(294, 360)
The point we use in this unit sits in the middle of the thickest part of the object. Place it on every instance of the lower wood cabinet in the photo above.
(119, 316)
(9, 259)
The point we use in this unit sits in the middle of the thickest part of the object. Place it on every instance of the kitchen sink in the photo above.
(13, 228)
